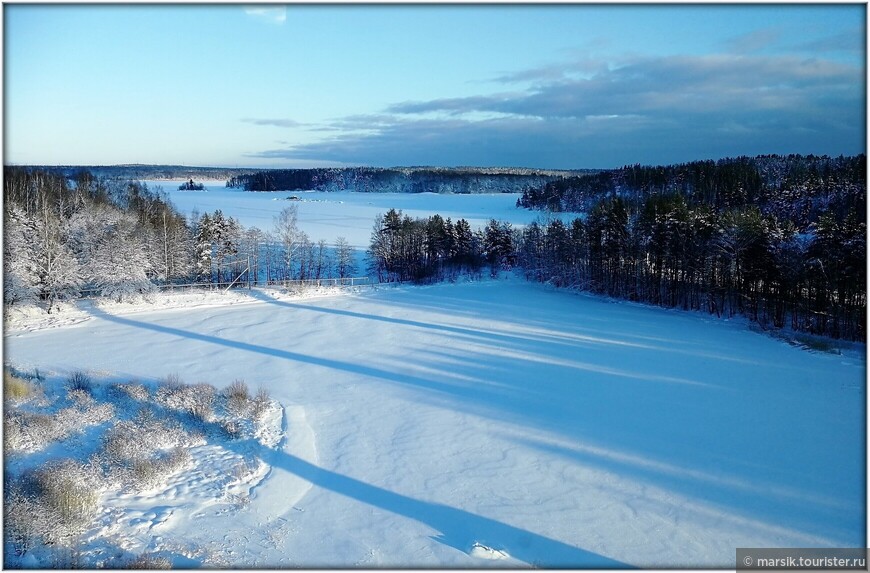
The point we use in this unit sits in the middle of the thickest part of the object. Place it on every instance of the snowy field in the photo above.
(328, 216)
(494, 423)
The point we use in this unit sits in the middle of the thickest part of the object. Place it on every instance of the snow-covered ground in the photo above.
(497, 423)
(328, 216)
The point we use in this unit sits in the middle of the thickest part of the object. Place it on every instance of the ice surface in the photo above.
(329, 215)
(446, 425)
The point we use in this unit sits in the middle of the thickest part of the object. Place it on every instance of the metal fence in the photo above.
(241, 284)
(345, 282)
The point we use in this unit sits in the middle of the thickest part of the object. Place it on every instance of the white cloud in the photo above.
(270, 13)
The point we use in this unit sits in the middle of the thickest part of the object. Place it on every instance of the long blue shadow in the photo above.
(457, 528)
(454, 330)
(527, 402)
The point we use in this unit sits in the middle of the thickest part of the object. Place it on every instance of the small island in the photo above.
(191, 186)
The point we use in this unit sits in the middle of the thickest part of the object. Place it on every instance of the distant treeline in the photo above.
(795, 188)
(399, 180)
(139, 172)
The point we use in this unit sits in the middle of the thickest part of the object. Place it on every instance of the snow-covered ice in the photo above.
(329, 215)
(498, 423)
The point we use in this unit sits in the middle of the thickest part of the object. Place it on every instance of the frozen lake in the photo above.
(561, 431)
(345, 214)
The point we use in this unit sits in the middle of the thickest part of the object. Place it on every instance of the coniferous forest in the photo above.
(779, 240)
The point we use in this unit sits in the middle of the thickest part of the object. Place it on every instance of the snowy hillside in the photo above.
(495, 423)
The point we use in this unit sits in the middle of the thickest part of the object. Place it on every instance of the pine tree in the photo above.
(203, 239)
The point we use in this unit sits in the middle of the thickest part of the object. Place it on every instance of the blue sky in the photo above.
(557, 86)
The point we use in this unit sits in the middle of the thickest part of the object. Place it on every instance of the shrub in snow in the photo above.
(16, 388)
(51, 505)
(260, 404)
(93, 413)
(29, 430)
(140, 437)
(130, 391)
(132, 449)
(172, 381)
(22, 528)
(136, 391)
(150, 472)
(238, 389)
(69, 488)
(34, 430)
(79, 380)
(149, 561)
(232, 429)
(237, 399)
(80, 398)
(240, 404)
(196, 400)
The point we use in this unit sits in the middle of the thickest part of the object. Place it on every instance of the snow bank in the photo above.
(154, 473)
(31, 317)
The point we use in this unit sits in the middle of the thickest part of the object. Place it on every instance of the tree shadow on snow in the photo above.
(458, 528)
(629, 409)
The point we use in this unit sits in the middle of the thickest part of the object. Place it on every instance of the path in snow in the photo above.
(458, 423)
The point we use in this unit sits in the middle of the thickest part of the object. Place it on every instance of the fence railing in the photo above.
(330, 282)
(347, 281)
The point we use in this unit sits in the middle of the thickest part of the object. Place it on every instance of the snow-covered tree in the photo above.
(289, 235)
(172, 251)
(113, 257)
(20, 277)
(203, 244)
(56, 266)
(225, 235)
(345, 265)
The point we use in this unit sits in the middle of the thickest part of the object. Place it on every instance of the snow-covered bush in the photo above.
(149, 561)
(240, 404)
(29, 431)
(196, 400)
(51, 505)
(69, 488)
(232, 429)
(237, 397)
(148, 438)
(139, 438)
(260, 404)
(238, 389)
(32, 431)
(22, 524)
(80, 398)
(135, 391)
(150, 472)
